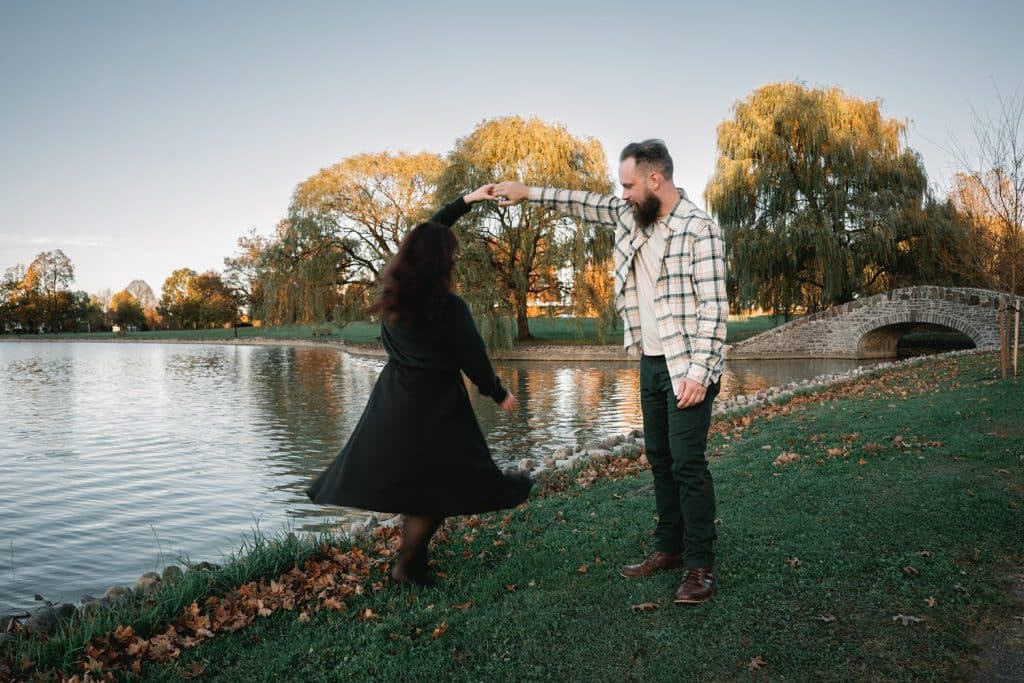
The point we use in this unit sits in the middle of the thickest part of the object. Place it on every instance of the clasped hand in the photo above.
(506, 193)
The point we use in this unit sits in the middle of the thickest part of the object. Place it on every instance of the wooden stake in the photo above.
(1002, 337)
(1016, 335)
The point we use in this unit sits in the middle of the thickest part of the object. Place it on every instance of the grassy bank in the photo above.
(882, 550)
(545, 330)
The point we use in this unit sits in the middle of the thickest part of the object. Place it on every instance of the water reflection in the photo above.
(126, 456)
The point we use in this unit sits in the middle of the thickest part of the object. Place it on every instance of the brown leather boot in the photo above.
(652, 564)
(698, 586)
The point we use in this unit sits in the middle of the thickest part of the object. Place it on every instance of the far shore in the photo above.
(538, 352)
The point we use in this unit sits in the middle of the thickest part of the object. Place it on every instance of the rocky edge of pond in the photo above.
(46, 619)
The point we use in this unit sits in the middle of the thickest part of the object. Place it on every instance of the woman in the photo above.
(418, 448)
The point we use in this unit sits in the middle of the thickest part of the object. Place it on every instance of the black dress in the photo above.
(418, 448)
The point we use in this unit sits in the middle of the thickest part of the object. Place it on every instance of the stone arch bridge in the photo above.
(871, 327)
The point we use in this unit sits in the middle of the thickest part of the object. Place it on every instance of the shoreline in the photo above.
(539, 352)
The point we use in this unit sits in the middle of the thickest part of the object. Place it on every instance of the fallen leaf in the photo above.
(439, 630)
(794, 562)
(834, 452)
(583, 569)
(124, 634)
(368, 614)
(465, 605)
(756, 664)
(786, 457)
(827, 618)
(766, 448)
(138, 647)
(645, 607)
(194, 671)
(862, 462)
(910, 570)
(511, 588)
(926, 553)
(303, 617)
(930, 601)
(907, 620)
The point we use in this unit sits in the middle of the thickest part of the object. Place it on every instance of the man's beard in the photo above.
(646, 211)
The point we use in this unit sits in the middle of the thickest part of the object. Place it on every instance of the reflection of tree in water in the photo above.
(306, 402)
(559, 406)
(309, 400)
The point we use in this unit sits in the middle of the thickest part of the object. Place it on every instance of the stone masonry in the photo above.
(871, 327)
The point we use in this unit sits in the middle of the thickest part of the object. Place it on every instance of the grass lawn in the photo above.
(883, 552)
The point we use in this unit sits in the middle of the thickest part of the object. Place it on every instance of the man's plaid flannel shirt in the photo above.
(691, 305)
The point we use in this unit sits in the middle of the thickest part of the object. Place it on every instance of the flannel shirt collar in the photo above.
(681, 213)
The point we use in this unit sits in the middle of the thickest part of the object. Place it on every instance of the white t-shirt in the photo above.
(647, 267)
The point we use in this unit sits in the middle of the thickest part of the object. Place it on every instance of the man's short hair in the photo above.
(650, 153)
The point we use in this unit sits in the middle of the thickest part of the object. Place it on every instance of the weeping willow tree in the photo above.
(511, 255)
(367, 203)
(301, 273)
(821, 200)
(345, 222)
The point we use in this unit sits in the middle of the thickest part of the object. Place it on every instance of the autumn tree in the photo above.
(368, 203)
(989, 193)
(509, 255)
(821, 200)
(126, 309)
(242, 270)
(143, 293)
(218, 305)
(179, 300)
(84, 313)
(50, 274)
(197, 300)
(12, 296)
(101, 300)
(344, 224)
(301, 272)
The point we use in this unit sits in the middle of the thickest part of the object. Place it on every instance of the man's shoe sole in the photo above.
(691, 602)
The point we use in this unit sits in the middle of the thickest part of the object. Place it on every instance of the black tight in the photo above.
(412, 563)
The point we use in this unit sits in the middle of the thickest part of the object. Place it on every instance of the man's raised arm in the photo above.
(592, 207)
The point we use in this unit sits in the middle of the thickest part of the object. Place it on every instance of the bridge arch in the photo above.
(879, 339)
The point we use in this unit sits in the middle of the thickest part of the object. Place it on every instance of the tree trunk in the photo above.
(522, 322)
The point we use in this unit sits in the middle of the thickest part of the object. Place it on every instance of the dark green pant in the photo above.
(676, 440)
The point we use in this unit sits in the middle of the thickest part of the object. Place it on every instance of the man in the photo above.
(670, 292)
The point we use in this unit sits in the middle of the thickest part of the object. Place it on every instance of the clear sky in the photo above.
(141, 137)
